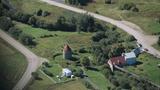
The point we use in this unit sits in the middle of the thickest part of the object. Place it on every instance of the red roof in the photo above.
(117, 60)
(66, 48)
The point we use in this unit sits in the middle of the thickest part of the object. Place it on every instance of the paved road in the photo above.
(33, 60)
(143, 39)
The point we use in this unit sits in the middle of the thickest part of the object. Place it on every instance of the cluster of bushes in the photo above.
(7, 25)
(130, 7)
(40, 12)
(78, 2)
(108, 1)
(46, 36)
(109, 43)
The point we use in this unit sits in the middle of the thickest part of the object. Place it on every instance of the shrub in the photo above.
(27, 39)
(15, 32)
(129, 6)
(82, 50)
(48, 73)
(45, 13)
(108, 1)
(39, 12)
(5, 23)
(46, 64)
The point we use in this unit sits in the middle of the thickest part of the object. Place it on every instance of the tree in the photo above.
(5, 23)
(39, 12)
(15, 32)
(27, 39)
(108, 1)
(32, 21)
(85, 61)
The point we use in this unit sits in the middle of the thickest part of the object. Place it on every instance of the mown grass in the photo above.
(149, 11)
(12, 66)
(98, 79)
(72, 85)
(32, 6)
(40, 84)
(47, 47)
(148, 69)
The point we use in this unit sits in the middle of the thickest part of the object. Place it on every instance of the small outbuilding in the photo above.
(67, 52)
(66, 72)
(130, 58)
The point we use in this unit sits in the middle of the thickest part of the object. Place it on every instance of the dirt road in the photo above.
(33, 60)
(145, 40)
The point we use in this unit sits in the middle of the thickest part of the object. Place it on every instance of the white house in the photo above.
(66, 72)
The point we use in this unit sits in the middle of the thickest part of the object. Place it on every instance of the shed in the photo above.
(130, 58)
(67, 52)
(66, 72)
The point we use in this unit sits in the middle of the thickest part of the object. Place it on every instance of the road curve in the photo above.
(141, 37)
(33, 60)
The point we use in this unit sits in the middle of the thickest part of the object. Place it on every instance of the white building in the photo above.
(66, 72)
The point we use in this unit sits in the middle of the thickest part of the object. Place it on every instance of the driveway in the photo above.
(145, 40)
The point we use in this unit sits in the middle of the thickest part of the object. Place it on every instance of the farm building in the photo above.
(67, 52)
(66, 72)
(130, 58)
(116, 61)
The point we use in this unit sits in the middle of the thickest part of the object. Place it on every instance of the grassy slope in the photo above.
(148, 68)
(12, 66)
(72, 85)
(54, 44)
(98, 79)
(30, 6)
(149, 10)
(40, 84)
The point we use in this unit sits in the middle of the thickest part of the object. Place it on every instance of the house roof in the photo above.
(117, 60)
(66, 70)
(130, 55)
(66, 48)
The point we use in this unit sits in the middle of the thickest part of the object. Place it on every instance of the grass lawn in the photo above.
(12, 66)
(145, 18)
(47, 47)
(32, 6)
(40, 84)
(148, 69)
(98, 79)
(72, 85)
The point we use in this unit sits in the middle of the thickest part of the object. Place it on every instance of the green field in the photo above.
(32, 6)
(12, 66)
(40, 84)
(148, 69)
(145, 18)
(47, 47)
(72, 85)
(98, 79)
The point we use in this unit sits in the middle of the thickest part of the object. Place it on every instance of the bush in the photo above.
(129, 6)
(46, 64)
(14, 32)
(39, 12)
(48, 73)
(77, 72)
(108, 1)
(5, 23)
(27, 39)
(82, 50)
(45, 13)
